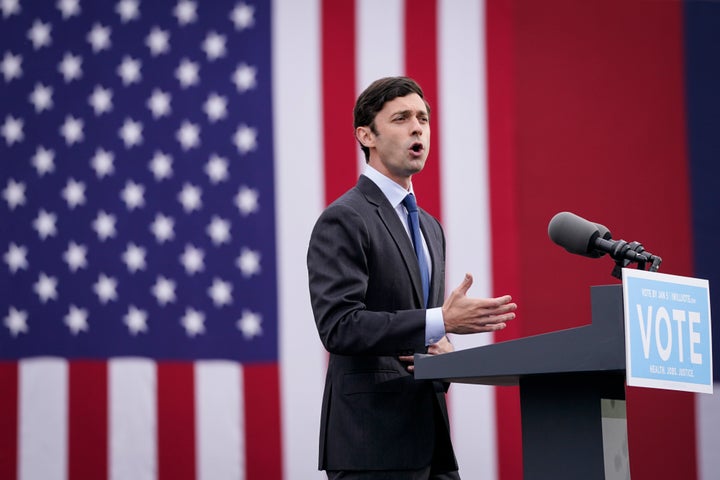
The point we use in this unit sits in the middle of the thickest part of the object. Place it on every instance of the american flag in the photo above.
(163, 163)
(139, 239)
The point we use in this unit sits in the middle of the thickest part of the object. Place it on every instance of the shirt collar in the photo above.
(393, 192)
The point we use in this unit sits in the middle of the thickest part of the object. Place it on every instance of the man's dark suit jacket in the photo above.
(366, 296)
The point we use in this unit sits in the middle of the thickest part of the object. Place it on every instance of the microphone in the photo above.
(582, 237)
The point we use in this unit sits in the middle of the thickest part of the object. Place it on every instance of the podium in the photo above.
(563, 376)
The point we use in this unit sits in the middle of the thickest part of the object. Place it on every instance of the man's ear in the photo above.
(365, 136)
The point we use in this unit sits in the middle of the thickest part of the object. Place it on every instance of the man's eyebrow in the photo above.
(410, 112)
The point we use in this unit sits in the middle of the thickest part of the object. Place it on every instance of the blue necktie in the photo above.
(414, 224)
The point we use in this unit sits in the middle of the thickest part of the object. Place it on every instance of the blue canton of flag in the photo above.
(136, 174)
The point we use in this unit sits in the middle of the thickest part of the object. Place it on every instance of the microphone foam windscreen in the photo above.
(572, 232)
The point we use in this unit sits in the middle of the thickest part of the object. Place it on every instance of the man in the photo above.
(374, 309)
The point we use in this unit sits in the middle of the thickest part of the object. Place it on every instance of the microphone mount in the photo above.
(625, 253)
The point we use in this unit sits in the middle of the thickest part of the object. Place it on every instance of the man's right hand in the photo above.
(463, 314)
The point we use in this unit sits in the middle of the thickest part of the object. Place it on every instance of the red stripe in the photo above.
(338, 83)
(602, 132)
(176, 421)
(8, 419)
(263, 444)
(421, 65)
(87, 419)
(502, 171)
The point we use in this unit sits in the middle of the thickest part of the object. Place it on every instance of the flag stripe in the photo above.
(504, 220)
(219, 423)
(176, 440)
(299, 36)
(338, 84)
(462, 159)
(88, 418)
(8, 419)
(133, 419)
(262, 422)
(380, 49)
(43, 419)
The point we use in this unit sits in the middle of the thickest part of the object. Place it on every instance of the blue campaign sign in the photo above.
(668, 341)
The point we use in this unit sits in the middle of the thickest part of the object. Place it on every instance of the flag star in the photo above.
(186, 12)
(163, 228)
(245, 139)
(39, 34)
(189, 197)
(43, 160)
(131, 133)
(158, 41)
(192, 259)
(164, 291)
(219, 230)
(72, 130)
(217, 169)
(248, 262)
(45, 224)
(214, 46)
(159, 103)
(244, 77)
(14, 193)
(105, 288)
(11, 66)
(243, 16)
(128, 10)
(103, 163)
(69, 8)
(16, 257)
(104, 225)
(41, 97)
(46, 288)
(188, 135)
(75, 256)
(101, 100)
(220, 292)
(76, 320)
(187, 73)
(136, 320)
(12, 130)
(215, 107)
(70, 67)
(246, 200)
(134, 258)
(9, 7)
(250, 324)
(99, 38)
(193, 321)
(74, 193)
(16, 321)
(133, 195)
(161, 166)
(129, 70)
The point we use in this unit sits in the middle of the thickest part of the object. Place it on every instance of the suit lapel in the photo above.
(395, 228)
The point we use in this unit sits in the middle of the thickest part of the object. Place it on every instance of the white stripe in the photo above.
(707, 428)
(219, 420)
(464, 154)
(43, 403)
(299, 200)
(379, 46)
(132, 394)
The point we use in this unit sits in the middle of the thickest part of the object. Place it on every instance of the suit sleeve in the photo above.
(339, 269)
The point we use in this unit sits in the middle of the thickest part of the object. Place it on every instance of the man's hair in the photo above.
(374, 97)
